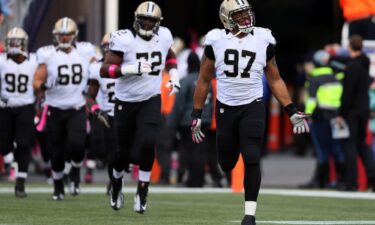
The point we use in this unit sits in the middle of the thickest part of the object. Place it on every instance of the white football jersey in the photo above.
(239, 64)
(136, 88)
(68, 73)
(16, 81)
(106, 94)
(182, 60)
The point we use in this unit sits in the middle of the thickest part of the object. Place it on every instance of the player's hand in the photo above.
(50, 83)
(196, 123)
(102, 117)
(137, 68)
(174, 82)
(174, 87)
(299, 121)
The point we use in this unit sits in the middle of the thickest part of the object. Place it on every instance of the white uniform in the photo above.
(137, 88)
(68, 72)
(106, 94)
(16, 81)
(182, 60)
(239, 64)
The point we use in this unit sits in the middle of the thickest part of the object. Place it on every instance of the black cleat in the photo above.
(74, 177)
(58, 193)
(19, 189)
(140, 198)
(116, 196)
(248, 220)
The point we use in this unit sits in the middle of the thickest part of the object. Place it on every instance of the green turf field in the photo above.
(181, 208)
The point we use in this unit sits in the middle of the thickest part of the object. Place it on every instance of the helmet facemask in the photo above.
(16, 46)
(16, 42)
(243, 19)
(140, 26)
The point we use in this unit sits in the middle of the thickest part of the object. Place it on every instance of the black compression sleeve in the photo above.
(270, 52)
(209, 52)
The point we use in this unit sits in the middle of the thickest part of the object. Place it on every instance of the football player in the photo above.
(137, 57)
(101, 101)
(63, 74)
(239, 55)
(17, 67)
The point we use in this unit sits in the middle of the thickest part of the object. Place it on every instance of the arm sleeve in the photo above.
(270, 52)
(209, 52)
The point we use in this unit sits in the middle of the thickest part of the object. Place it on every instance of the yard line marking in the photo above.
(171, 190)
(308, 222)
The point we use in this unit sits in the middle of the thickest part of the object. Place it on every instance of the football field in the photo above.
(170, 206)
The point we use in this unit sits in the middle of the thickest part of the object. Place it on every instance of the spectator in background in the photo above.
(355, 111)
(324, 91)
(195, 155)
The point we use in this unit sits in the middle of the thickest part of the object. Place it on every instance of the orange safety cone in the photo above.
(273, 141)
(238, 173)
(155, 172)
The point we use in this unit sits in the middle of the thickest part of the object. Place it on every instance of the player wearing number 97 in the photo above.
(239, 55)
(63, 74)
(17, 68)
(136, 58)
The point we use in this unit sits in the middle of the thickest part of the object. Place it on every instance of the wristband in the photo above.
(196, 113)
(290, 109)
(94, 107)
(111, 71)
(172, 61)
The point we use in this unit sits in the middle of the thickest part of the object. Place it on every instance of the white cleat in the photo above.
(140, 205)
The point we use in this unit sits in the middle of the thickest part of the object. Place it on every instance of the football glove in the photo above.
(174, 82)
(138, 68)
(196, 123)
(102, 117)
(298, 119)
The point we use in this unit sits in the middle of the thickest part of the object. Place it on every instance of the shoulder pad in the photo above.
(213, 35)
(265, 34)
(165, 34)
(86, 48)
(44, 53)
(120, 39)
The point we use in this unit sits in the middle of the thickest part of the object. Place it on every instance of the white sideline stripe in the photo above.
(167, 190)
(307, 222)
